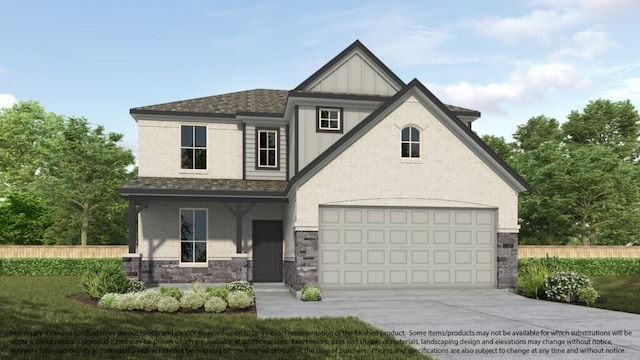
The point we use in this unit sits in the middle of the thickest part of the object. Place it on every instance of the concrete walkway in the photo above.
(492, 324)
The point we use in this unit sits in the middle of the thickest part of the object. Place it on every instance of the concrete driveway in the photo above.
(491, 324)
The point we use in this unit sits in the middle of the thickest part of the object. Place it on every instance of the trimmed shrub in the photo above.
(241, 286)
(192, 301)
(310, 293)
(563, 286)
(531, 281)
(108, 301)
(215, 304)
(52, 266)
(168, 304)
(111, 278)
(148, 300)
(586, 266)
(173, 292)
(587, 295)
(219, 291)
(239, 300)
(135, 285)
(126, 302)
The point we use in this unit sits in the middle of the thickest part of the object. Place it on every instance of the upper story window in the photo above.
(329, 119)
(410, 142)
(193, 147)
(267, 149)
(193, 235)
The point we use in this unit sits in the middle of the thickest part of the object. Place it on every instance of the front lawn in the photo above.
(41, 320)
(622, 293)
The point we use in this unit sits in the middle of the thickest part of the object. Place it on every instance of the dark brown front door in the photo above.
(267, 251)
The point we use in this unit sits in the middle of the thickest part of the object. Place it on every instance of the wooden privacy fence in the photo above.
(525, 251)
(63, 251)
(111, 251)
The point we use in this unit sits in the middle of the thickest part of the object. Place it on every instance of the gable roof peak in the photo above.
(356, 45)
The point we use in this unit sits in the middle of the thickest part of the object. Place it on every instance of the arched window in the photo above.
(410, 142)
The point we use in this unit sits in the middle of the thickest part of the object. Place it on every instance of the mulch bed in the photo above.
(85, 299)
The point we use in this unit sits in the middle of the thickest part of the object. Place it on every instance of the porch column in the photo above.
(239, 213)
(133, 225)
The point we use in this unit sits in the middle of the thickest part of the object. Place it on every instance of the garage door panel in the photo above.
(330, 236)
(398, 237)
(441, 257)
(406, 248)
(441, 237)
(353, 216)
(375, 236)
(463, 257)
(419, 257)
(463, 217)
(463, 237)
(398, 277)
(463, 276)
(484, 237)
(353, 236)
(419, 237)
(376, 277)
(375, 257)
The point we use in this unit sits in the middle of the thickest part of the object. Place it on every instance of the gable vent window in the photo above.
(329, 119)
(410, 142)
(193, 147)
(267, 149)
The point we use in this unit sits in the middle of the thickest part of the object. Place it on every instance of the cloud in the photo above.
(538, 24)
(586, 45)
(7, 100)
(628, 89)
(525, 85)
(594, 7)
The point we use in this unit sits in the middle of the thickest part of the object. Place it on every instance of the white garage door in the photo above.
(377, 247)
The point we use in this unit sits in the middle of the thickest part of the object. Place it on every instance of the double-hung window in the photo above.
(410, 142)
(329, 119)
(193, 235)
(193, 147)
(267, 149)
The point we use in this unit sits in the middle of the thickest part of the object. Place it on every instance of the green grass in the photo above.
(38, 314)
(622, 292)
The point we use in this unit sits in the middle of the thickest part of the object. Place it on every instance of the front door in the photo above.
(267, 251)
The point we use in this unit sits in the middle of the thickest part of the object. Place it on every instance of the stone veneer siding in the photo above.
(169, 271)
(304, 271)
(132, 265)
(507, 260)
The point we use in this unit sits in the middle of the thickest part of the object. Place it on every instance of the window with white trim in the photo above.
(410, 142)
(193, 235)
(193, 147)
(267, 149)
(329, 119)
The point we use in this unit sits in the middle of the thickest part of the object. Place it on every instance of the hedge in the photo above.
(587, 266)
(51, 266)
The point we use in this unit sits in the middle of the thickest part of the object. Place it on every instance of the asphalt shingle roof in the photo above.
(256, 101)
(250, 101)
(159, 185)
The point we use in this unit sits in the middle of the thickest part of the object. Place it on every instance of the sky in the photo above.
(510, 60)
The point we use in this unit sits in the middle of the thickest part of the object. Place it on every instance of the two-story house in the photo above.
(353, 179)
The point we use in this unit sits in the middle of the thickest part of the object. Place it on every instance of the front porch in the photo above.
(212, 231)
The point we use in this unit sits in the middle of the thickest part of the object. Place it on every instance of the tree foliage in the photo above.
(60, 179)
(583, 175)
